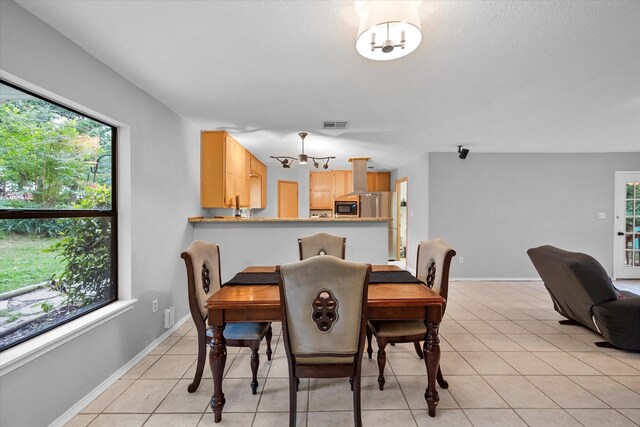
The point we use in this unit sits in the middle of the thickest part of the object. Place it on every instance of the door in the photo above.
(626, 240)
(402, 200)
(287, 199)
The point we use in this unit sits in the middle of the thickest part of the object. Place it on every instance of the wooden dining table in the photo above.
(261, 303)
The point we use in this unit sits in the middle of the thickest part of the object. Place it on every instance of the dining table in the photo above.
(255, 297)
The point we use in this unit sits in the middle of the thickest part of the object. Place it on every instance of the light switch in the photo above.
(601, 215)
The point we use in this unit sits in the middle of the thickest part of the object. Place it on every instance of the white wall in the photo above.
(159, 190)
(493, 207)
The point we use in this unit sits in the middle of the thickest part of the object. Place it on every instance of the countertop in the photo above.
(194, 219)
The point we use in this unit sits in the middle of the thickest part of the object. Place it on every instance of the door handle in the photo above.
(620, 233)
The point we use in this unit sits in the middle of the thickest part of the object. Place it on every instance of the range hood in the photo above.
(359, 175)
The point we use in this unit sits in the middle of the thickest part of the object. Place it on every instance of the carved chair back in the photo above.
(321, 244)
(203, 275)
(433, 264)
(323, 303)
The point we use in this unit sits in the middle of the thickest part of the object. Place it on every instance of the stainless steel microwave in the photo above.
(346, 208)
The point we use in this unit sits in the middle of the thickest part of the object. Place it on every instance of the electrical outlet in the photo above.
(461, 260)
(154, 306)
(601, 215)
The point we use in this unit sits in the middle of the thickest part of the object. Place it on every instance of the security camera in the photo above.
(462, 152)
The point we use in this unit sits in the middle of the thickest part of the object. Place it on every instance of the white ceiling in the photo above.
(504, 76)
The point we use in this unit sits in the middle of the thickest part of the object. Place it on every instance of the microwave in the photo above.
(346, 208)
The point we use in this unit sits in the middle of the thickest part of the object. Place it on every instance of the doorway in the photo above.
(287, 199)
(626, 223)
(402, 201)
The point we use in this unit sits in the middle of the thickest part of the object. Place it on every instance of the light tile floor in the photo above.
(507, 359)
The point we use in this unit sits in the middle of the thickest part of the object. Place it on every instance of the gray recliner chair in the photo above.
(582, 291)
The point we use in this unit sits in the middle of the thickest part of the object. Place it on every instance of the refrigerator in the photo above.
(382, 205)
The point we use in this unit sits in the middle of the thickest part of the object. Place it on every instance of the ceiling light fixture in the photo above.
(389, 30)
(302, 158)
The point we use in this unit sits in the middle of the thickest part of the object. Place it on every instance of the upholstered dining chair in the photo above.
(322, 244)
(432, 267)
(203, 280)
(324, 303)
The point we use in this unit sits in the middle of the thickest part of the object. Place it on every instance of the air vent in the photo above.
(335, 125)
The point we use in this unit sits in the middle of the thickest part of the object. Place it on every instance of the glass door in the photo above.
(627, 226)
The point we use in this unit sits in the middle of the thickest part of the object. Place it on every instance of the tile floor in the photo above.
(507, 359)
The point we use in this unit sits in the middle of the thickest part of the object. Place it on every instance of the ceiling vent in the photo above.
(335, 125)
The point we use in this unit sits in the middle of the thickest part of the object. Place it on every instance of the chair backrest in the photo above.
(202, 260)
(321, 244)
(433, 264)
(323, 302)
(576, 281)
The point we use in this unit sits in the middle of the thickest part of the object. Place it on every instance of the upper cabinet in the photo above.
(378, 181)
(226, 173)
(327, 187)
(320, 190)
(258, 183)
(343, 185)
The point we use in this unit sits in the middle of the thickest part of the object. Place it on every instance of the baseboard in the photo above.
(82, 403)
(494, 279)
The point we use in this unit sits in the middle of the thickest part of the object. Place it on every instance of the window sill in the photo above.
(24, 353)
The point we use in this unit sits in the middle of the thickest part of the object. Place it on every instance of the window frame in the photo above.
(76, 213)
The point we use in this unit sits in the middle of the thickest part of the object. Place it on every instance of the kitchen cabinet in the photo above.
(343, 185)
(225, 172)
(378, 181)
(320, 190)
(257, 183)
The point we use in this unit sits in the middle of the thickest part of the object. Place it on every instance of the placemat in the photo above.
(401, 276)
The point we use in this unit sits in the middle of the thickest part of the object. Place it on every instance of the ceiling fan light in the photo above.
(397, 23)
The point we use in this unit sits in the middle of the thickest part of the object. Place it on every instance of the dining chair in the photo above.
(432, 267)
(202, 260)
(324, 312)
(322, 244)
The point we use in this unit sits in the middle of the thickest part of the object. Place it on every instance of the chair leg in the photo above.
(351, 382)
(382, 361)
(255, 363)
(357, 407)
(416, 345)
(441, 381)
(297, 384)
(369, 338)
(202, 356)
(293, 399)
(268, 337)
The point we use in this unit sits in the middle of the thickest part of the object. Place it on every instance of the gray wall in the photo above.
(159, 154)
(272, 243)
(417, 172)
(492, 207)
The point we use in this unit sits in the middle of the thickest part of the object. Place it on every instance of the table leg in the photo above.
(217, 360)
(432, 360)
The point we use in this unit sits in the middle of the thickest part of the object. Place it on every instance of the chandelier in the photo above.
(389, 30)
(302, 158)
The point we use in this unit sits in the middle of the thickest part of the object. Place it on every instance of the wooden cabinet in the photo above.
(257, 183)
(327, 187)
(343, 185)
(225, 172)
(378, 181)
(320, 181)
(320, 190)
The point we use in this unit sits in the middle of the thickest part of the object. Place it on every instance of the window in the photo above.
(58, 217)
